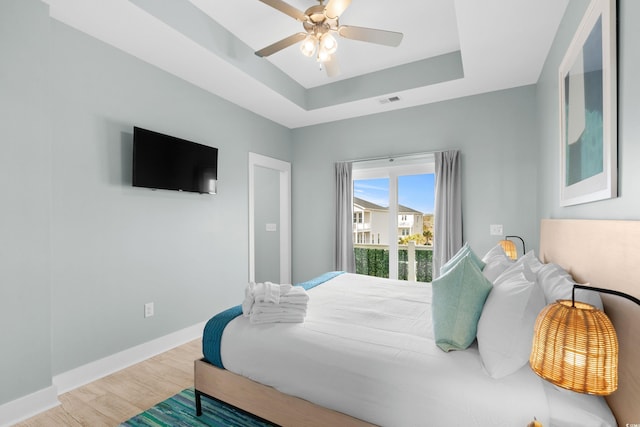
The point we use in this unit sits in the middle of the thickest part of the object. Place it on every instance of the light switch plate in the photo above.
(495, 229)
(148, 309)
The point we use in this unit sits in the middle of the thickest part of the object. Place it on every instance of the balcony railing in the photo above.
(414, 262)
(359, 226)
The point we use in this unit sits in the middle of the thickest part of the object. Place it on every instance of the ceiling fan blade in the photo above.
(371, 35)
(287, 9)
(279, 45)
(335, 8)
(331, 66)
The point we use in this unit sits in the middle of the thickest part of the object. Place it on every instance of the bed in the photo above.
(383, 367)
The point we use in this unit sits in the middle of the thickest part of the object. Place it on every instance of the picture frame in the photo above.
(588, 109)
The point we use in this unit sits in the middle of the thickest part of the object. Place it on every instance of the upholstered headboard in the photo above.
(606, 254)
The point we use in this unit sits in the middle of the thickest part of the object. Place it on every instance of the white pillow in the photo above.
(505, 328)
(531, 260)
(496, 262)
(571, 409)
(514, 270)
(557, 284)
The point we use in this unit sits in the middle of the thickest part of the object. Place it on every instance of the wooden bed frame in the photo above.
(264, 401)
(605, 254)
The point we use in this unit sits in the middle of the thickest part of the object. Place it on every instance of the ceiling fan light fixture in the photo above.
(308, 46)
(328, 43)
(321, 24)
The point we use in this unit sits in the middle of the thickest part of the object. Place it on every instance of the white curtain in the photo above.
(448, 208)
(344, 257)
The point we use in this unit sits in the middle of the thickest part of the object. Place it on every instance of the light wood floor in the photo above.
(119, 396)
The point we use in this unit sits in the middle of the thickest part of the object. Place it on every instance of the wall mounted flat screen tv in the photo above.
(169, 163)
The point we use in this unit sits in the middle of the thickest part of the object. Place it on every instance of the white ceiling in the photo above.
(502, 44)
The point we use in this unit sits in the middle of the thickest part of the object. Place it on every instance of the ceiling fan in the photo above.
(320, 23)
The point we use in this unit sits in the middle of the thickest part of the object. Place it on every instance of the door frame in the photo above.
(284, 169)
(392, 168)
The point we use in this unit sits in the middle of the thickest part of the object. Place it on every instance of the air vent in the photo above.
(388, 100)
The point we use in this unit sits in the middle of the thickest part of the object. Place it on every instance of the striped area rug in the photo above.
(180, 410)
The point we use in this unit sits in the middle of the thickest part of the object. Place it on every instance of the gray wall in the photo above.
(495, 132)
(116, 247)
(25, 189)
(627, 205)
(81, 250)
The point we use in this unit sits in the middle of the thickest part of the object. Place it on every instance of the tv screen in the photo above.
(169, 163)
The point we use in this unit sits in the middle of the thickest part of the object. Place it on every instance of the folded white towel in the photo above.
(268, 302)
(248, 299)
(290, 317)
(279, 308)
(285, 289)
(267, 292)
(296, 295)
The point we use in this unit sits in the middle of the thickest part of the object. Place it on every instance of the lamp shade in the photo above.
(329, 43)
(509, 248)
(575, 347)
(308, 46)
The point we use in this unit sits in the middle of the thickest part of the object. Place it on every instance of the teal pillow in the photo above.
(464, 251)
(458, 298)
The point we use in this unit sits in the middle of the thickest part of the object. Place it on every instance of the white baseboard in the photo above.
(42, 400)
(28, 406)
(85, 374)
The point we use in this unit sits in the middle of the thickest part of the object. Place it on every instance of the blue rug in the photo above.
(180, 410)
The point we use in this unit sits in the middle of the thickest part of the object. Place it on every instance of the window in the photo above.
(395, 198)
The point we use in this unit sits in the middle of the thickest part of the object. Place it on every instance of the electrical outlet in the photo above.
(148, 309)
(495, 229)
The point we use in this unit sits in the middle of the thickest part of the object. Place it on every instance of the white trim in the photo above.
(285, 213)
(415, 164)
(92, 371)
(26, 407)
(45, 399)
(393, 223)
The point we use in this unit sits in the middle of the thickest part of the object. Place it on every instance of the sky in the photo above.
(414, 191)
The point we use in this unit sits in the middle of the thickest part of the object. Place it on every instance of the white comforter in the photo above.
(366, 349)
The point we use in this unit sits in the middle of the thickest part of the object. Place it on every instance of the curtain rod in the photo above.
(367, 159)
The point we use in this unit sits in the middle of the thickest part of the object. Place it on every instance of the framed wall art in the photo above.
(588, 109)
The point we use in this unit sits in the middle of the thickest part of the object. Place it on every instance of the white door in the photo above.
(269, 219)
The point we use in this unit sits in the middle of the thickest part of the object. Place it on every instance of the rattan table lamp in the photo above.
(510, 247)
(575, 345)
